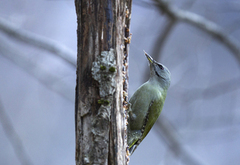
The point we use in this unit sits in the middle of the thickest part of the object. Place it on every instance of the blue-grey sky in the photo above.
(202, 104)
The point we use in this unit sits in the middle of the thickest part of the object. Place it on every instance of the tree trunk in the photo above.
(101, 89)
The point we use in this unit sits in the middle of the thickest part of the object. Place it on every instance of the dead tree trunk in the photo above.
(101, 89)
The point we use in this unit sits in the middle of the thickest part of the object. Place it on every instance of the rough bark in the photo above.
(101, 89)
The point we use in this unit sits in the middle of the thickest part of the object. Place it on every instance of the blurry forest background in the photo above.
(198, 40)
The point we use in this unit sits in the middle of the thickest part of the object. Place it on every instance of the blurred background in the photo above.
(200, 120)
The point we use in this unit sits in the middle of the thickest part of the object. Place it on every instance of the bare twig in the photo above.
(49, 80)
(173, 140)
(202, 23)
(158, 46)
(13, 137)
(207, 123)
(39, 41)
(210, 92)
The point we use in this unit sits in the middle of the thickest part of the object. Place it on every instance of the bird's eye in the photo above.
(161, 67)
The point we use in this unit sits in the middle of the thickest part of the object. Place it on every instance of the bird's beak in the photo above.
(150, 59)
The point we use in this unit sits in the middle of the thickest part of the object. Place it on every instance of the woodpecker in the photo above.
(146, 103)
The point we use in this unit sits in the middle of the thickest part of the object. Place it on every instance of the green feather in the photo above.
(144, 112)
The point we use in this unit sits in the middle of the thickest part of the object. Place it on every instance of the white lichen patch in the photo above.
(104, 71)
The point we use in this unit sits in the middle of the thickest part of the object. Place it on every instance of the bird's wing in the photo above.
(141, 134)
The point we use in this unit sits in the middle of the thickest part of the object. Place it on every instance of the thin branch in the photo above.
(202, 23)
(49, 80)
(212, 91)
(13, 137)
(161, 40)
(38, 41)
(173, 140)
(158, 46)
(209, 123)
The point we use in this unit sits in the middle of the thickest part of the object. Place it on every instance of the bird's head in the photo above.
(159, 72)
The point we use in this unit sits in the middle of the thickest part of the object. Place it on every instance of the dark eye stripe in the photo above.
(157, 74)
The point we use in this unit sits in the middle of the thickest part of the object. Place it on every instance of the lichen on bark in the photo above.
(101, 122)
(102, 72)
